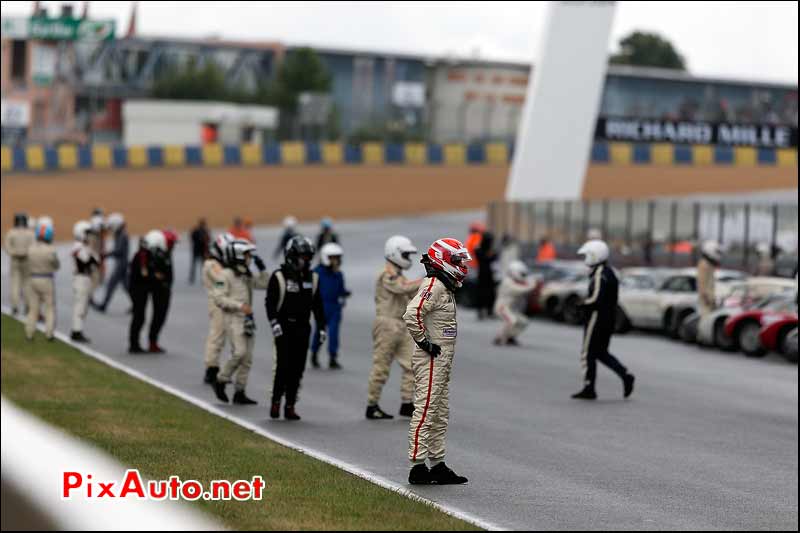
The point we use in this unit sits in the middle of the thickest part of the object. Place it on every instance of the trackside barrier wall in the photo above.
(36, 158)
(663, 233)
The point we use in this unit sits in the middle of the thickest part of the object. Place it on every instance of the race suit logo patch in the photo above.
(292, 286)
(426, 295)
(449, 333)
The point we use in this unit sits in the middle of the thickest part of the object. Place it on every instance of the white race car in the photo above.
(670, 302)
(745, 295)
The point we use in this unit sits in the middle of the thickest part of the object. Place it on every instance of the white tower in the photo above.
(555, 135)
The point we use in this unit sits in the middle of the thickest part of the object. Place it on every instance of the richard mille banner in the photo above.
(688, 132)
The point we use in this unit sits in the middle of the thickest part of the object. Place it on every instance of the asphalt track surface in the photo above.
(708, 440)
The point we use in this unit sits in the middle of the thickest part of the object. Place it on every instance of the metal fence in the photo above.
(657, 232)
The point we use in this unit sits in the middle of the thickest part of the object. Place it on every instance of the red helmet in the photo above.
(171, 237)
(451, 257)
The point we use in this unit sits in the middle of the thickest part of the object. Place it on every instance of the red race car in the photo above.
(758, 331)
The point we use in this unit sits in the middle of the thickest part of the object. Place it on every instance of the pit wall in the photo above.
(36, 158)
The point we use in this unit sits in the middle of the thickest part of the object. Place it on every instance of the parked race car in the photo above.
(758, 331)
(672, 301)
(553, 272)
(753, 293)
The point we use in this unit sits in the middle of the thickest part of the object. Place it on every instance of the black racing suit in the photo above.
(161, 291)
(140, 274)
(601, 312)
(291, 348)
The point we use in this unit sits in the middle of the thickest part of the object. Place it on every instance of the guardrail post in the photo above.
(746, 244)
(629, 224)
(568, 222)
(673, 220)
(696, 232)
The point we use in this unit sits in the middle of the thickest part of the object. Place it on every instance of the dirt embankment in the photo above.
(177, 197)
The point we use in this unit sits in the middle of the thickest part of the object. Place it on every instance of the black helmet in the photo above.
(299, 252)
(20, 220)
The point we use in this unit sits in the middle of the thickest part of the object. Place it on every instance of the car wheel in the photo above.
(687, 330)
(621, 322)
(748, 339)
(721, 340)
(551, 308)
(572, 312)
(789, 346)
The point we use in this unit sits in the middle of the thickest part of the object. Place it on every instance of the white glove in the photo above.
(323, 336)
(277, 330)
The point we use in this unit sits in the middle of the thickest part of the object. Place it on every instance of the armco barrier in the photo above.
(69, 157)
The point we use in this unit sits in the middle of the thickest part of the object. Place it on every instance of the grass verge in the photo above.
(146, 428)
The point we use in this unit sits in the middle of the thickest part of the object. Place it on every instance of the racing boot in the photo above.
(512, 342)
(211, 375)
(314, 360)
(407, 409)
(239, 398)
(334, 365)
(442, 475)
(275, 410)
(155, 348)
(78, 336)
(136, 349)
(586, 394)
(289, 413)
(374, 412)
(219, 390)
(627, 383)
(419, 475)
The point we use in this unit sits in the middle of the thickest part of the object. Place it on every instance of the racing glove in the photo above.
(259, 263)
(249, 325)
(427, 346)
(323, 336)
(277, 330)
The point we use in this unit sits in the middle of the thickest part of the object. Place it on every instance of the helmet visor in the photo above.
(460, 258)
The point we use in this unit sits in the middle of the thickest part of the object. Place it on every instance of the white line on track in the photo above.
(321, 456)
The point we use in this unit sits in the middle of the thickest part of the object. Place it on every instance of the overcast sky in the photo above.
(749, 40)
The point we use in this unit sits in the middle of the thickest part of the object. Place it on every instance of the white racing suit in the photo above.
(510, 301)
(18, 241)
(212, 272)
(43, 261)
(390, 338)
(431, 314)
(230, 291)
(86, 263)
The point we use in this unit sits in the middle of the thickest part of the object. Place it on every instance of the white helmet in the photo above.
(219, 248)
(237, 254)
(712, 250)
(115, 221)
(398, 251)
(518, 270)
(155, 241)
(98, 223)
(43, 220)
(44, 229)
(328, 251)
(289, 222)
(81, 230)
(594, 252)
(594, 234)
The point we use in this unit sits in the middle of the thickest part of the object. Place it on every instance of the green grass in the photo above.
(161, 435)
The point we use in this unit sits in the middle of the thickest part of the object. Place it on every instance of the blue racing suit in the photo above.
(333, 293)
